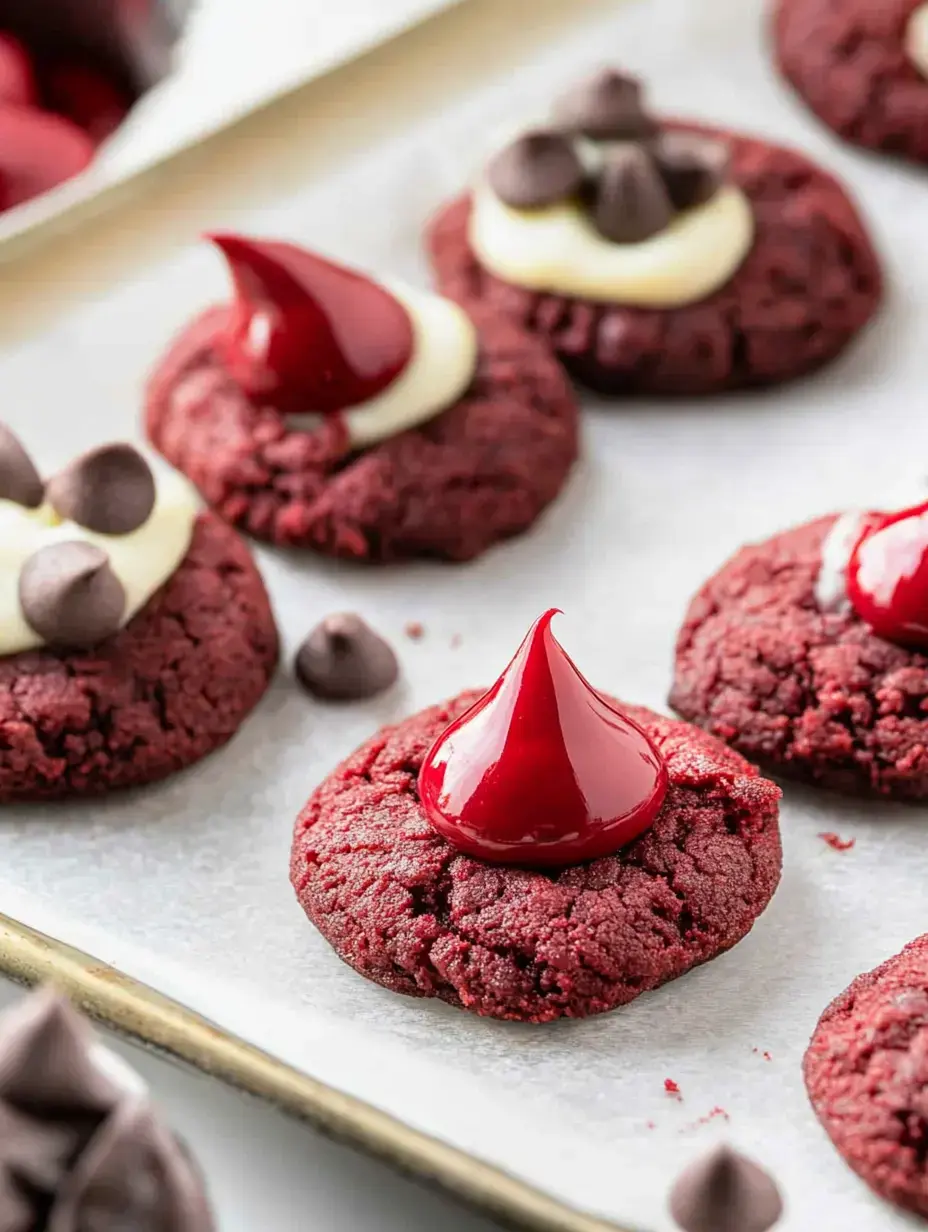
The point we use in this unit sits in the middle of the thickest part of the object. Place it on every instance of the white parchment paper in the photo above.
(185, 885)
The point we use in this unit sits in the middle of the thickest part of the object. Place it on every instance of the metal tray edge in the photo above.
(145, 1016)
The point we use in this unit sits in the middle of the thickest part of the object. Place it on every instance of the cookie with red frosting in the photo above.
(807, 653)
(866, 1072)
(660, 257)
(538, 851)
(861, 66)
(324, 410)
(135, 631)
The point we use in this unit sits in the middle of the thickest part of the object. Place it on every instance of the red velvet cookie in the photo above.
(409, 908)
(815, 688)
(866, 1072)
(170, 687)
(848, 61)
(807, 285)
(479, 471)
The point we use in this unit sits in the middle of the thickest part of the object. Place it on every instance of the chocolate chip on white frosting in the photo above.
(535, 170)
(607, 106)
(631, 202)
(19, 480)
(70, 595)
(110, 490)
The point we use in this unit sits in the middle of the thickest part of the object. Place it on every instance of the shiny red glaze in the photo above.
(86, 97)
(887, 578)
(38, 150)
(17, 76)
(307, 334)
(542, 770)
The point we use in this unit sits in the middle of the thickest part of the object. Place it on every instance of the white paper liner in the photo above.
(185, 885)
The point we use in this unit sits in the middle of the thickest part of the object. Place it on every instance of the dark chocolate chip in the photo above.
(343, 659)
(19, 480)
(724, 1192)
(537, 169)
(693, 167)
(70, 595)
(110, 490)
(607, 107)
(631, 203)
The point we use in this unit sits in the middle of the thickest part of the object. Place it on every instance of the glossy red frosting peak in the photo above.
(887, 578)
(306, 334)
(542, 770)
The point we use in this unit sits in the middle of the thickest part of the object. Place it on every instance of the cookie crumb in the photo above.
(650, 1125)
(765, 1054)
(836, 842)
(456, 640)
(713, 1114)
(414, 629)
(673, 1090)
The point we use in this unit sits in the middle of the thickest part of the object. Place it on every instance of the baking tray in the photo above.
(233, 57)
(183, 888)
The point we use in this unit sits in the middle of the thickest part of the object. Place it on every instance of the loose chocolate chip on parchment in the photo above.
(607, 106)
(537, 169)
(110, 490)
(693, 167)
(70, 595)
(343, 659)
(725, 1192)
(631, 203)
(19, 480)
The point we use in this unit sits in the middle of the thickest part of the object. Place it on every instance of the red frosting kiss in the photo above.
(17, 77)
(542, 770)
(887, 577)
(38, 150)
(306, 334)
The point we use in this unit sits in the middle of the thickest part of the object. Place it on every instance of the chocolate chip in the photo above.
(631, 203)
(110, 490)
(343, 659)
(607, 107)
(19, 480)
(70, 595)
(693, 167)
(537, 169)
(724, 1192)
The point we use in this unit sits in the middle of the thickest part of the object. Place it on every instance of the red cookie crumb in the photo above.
(866, 1073)
(672, 1089)
(847, 60)
(809, 284)
(815, 695)
(414, 630)
(836, 842)
(409, 911)
(172, 686)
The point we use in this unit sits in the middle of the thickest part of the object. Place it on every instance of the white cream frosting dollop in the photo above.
(916, 39)
(143, 560)
(837, 547)
(558, 250)
(442, 366)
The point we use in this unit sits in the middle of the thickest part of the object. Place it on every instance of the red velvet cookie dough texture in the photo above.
(169, 688)
(848, 61)
(866, 1072)
(408, 910)
(809, 284)
(812, 694)
(480, 471)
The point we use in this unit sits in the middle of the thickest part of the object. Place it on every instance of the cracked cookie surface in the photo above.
(866, 1072)
(809, 284)
(847, 59)
(407, 910)
(169, 688)
(481, 471)
(810, 694)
